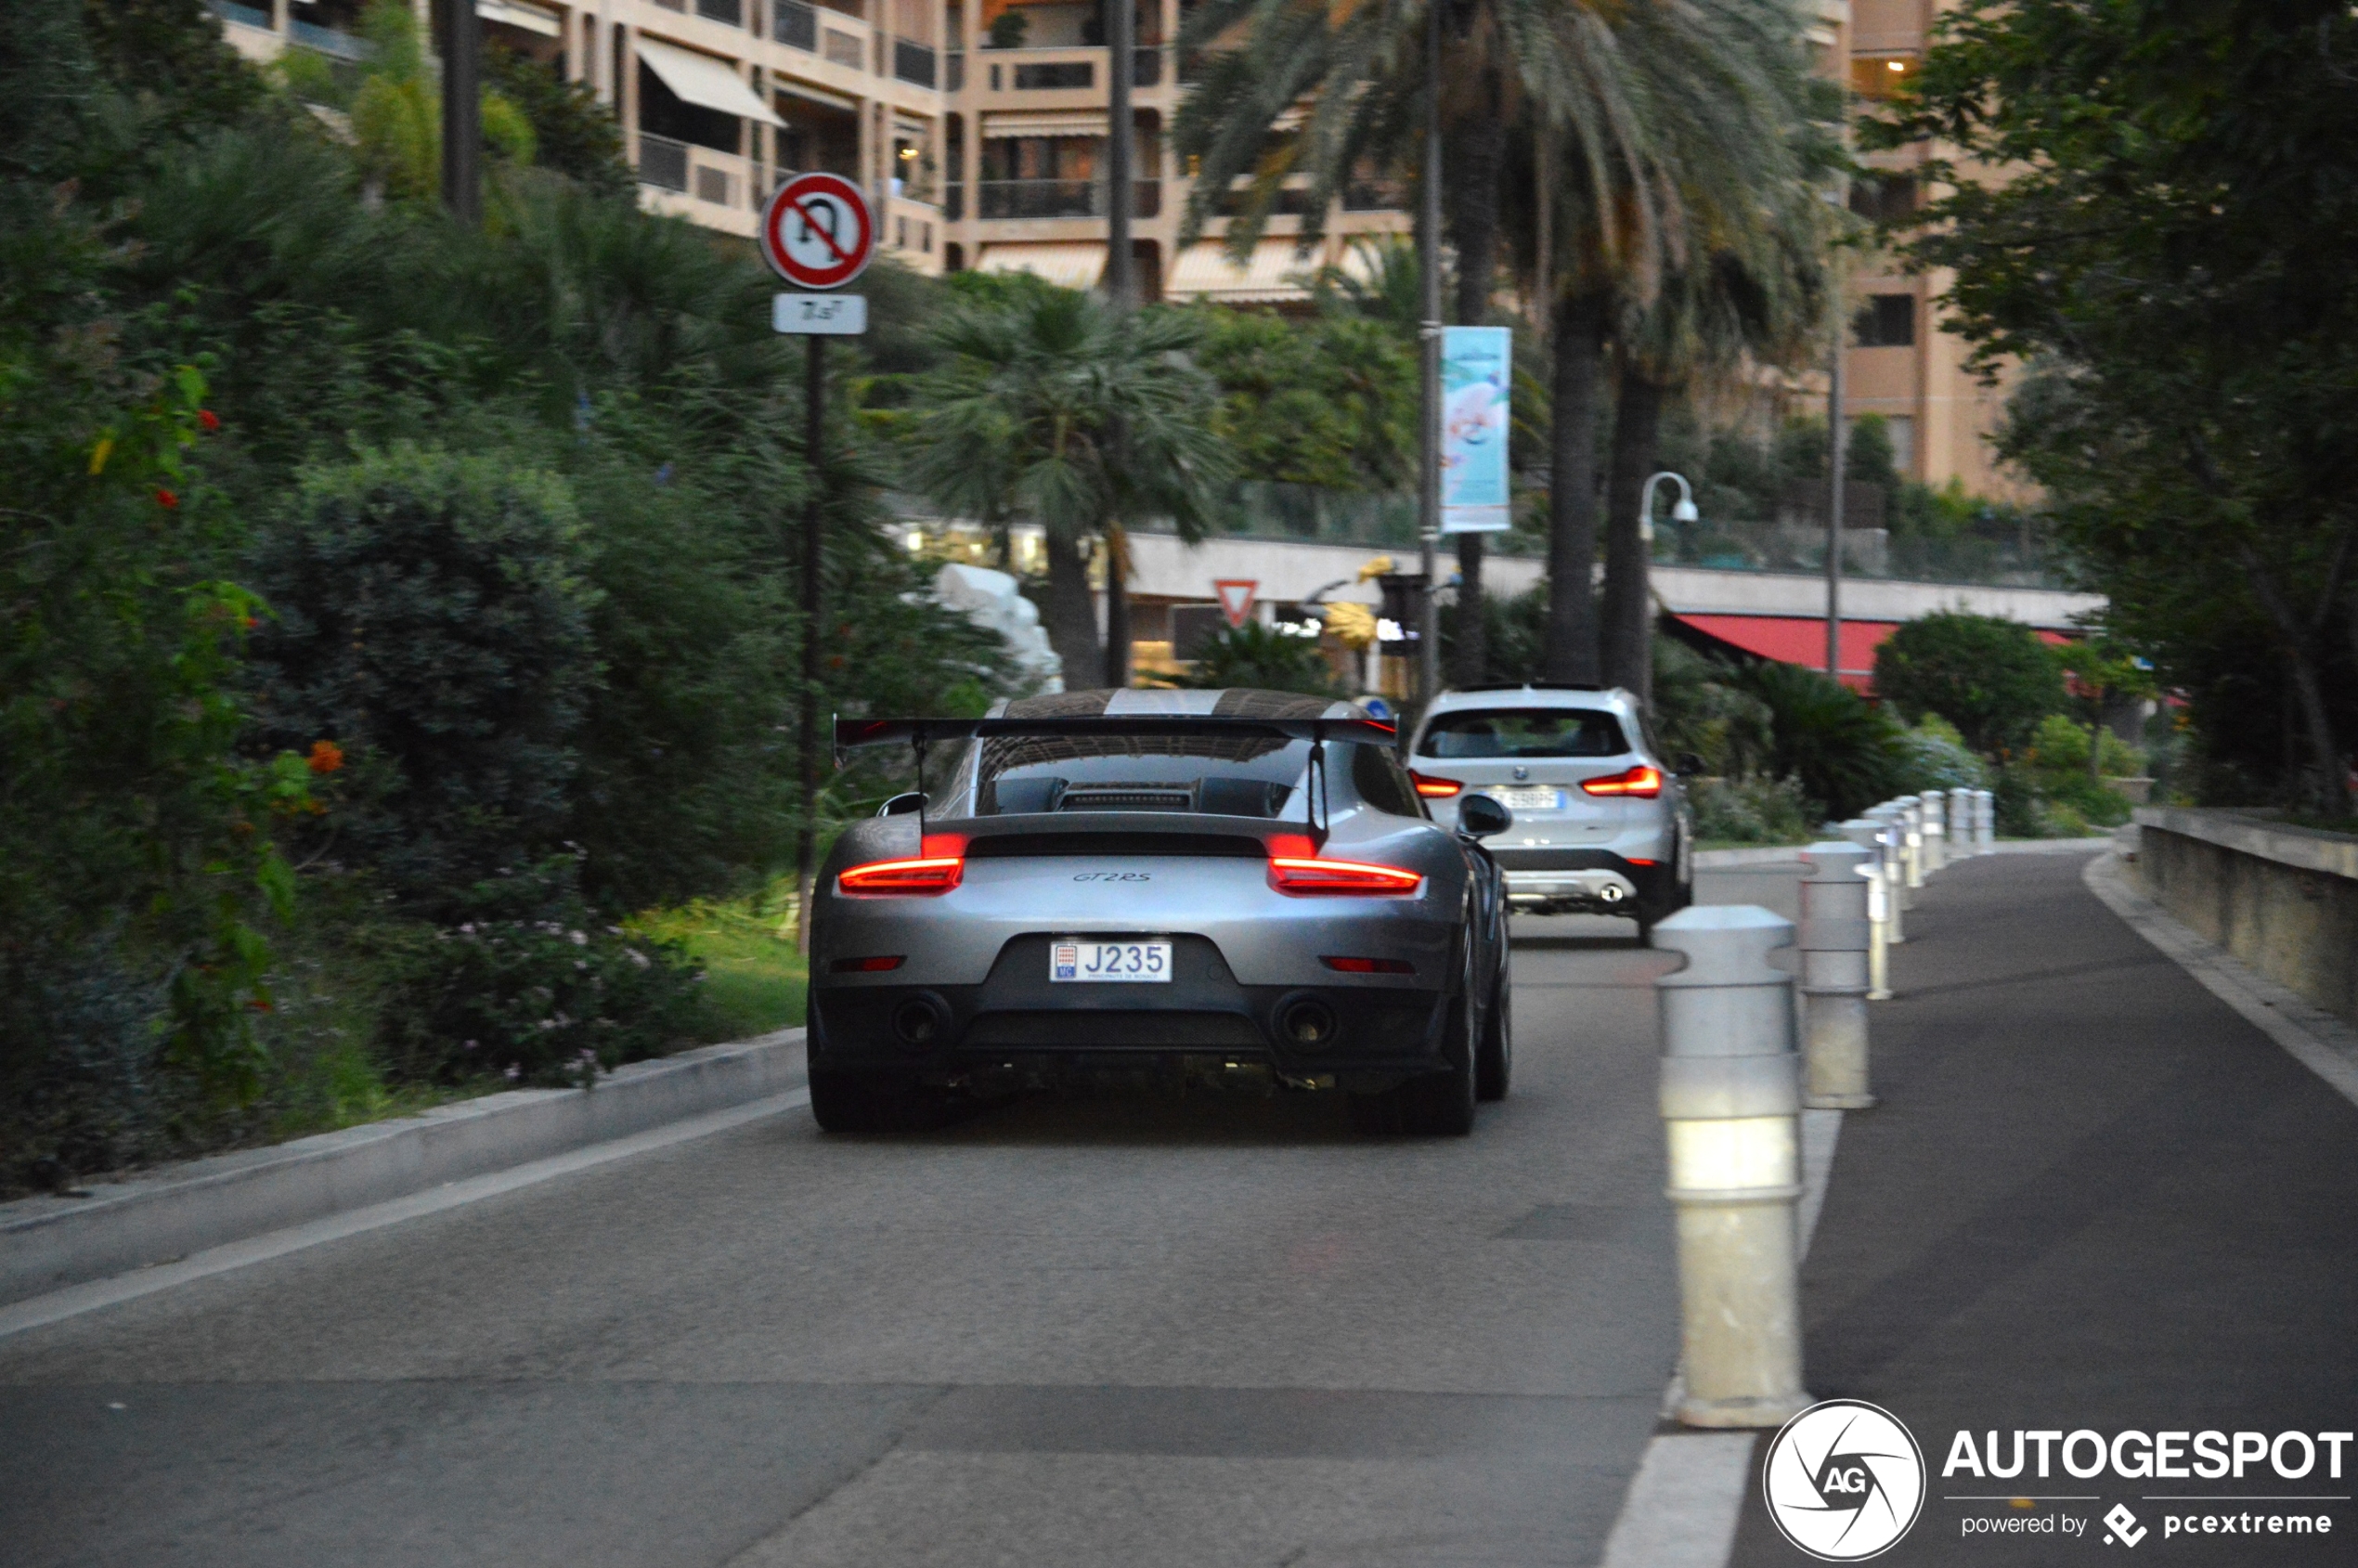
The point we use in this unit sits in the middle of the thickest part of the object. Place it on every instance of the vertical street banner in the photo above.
(1477, 370)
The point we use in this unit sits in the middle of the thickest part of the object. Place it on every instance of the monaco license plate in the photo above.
(1526, 798)
(1073, 960)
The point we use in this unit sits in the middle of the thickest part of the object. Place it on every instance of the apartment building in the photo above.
(1899, 364)
(976, 127)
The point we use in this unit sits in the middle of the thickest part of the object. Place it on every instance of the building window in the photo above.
(1879, 76)
(1887, 321)
(1884, 197)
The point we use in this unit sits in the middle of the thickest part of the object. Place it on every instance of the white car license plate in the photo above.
(1525, 797)
(1148, 961)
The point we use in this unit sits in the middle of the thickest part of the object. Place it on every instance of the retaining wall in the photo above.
(2282, 899)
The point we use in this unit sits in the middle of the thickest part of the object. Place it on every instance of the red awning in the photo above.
(1802, 640)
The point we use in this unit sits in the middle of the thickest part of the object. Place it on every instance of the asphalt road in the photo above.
(1107, 1329)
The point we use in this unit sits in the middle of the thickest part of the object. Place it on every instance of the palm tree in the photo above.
(1020, 422)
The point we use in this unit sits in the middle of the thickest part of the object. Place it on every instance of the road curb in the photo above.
(47, 1243)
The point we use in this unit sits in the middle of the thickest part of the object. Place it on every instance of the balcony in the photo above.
(730, 13)
(1145, 66)
(1376, 195)
(1054, 76)
(718, 179)
(840, 47)
(795, 25)
(327, 40)
(953, 72)
(1056, 199)
(914, 62)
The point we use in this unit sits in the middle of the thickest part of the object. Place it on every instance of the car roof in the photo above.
(1604, 699)
(1227, 702)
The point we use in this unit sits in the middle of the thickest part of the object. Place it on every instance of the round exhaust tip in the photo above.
(1612, 893)
(917, 1023)
(1309, 1025)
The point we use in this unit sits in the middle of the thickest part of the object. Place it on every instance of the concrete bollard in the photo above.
(1935, 805)
(1985, 822)
(1894, 835)
(1868, 834)
(1911, 858)
(1960, 842)
(1834, 979)
(1730, 1107)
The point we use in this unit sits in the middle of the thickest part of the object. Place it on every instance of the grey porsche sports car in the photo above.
(1234, 884)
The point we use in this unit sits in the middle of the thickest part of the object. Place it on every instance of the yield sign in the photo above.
(816, 232)
(1236, 598)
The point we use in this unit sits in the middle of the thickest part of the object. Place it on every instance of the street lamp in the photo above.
(1681, 511)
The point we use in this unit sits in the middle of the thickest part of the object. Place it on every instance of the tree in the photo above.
(1018, 421)
(1991, 678)
(2166, 252)
(1254, 655)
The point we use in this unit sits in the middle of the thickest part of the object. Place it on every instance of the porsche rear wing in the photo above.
(921, 733)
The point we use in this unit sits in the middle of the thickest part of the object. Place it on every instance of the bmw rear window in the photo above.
(1474, 733)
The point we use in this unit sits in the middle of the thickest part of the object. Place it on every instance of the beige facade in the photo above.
(1900, 365)
(973, 155)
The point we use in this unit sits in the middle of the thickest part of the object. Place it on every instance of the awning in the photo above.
(1067, 124)
(1273, 274)
(1068, 266)
(532, 18)
(788, 88)
(1802, 640)
(703, 81)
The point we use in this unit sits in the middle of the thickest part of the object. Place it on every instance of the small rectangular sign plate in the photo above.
(1072, 960)
(834, 316)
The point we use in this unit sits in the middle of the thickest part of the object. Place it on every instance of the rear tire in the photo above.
(1494, 1061)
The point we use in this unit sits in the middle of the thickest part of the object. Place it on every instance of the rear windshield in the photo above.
(1239, 777)
(1523, 732)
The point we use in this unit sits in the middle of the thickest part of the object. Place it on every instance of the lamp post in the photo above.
(1428, 300)
(1681, 511)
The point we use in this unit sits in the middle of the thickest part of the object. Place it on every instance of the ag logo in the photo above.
(1844, 1481)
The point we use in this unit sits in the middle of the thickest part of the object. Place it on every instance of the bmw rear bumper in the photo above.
(1581, 881)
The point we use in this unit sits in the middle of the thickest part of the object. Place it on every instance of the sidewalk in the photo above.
(2093, 1198)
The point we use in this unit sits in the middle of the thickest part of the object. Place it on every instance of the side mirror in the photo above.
(1690, 763)
(901, 805)
(1479, 816)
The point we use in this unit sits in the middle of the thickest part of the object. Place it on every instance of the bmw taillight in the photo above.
(1434, 788)
(936, 873)
(1641, 780)
(1289, 873)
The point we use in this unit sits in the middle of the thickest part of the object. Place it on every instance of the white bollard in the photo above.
(1893, 837)
(1935, 806)
(1985, 821)
(1911, 858)
(1867, 833)
(1960, 842)
(1835, 938)
(1730, 1107)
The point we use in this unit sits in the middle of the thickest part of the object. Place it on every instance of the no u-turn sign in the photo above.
(816, 232)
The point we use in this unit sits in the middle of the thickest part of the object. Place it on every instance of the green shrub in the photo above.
(1845, 754)
(1699, 707)
(1749, 811)
(534, 989)
(1254, 654)
(1992, 679)
(432, 621)
(1933, 756)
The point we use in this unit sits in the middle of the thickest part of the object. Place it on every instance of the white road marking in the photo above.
(1683, 1503)
(76, 1300)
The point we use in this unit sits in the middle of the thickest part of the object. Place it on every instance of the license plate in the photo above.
(1109, 961)
(1525, 797)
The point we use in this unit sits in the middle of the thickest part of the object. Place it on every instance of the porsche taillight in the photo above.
(1433, 788)
(1301, 876)
(1640, 781)
(934, 873)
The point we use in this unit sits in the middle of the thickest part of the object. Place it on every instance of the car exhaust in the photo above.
(1610, 893)
(1308, 1024)
(917, 1023)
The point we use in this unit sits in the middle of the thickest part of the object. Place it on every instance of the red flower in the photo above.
(166, 498)
(208, 419)
(326, 757)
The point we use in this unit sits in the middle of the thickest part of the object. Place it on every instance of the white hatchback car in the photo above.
(1601, 824)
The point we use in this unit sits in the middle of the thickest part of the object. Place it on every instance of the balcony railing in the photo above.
(794, 24)
(1057, 198)
(1055, 76)
(327, 40)
(912, 62)
(842, 48)
(732, 12)
(663, 163)
(721, 180)
(248, 16)
(1375, 196)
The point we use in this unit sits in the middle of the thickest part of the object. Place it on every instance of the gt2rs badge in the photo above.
(1114, 877)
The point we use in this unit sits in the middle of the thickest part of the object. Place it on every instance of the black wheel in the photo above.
(1495, 1060)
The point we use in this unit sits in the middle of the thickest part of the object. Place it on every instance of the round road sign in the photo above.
(816, 232)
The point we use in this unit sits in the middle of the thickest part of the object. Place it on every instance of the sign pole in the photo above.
(814, 397)
(816, 233)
